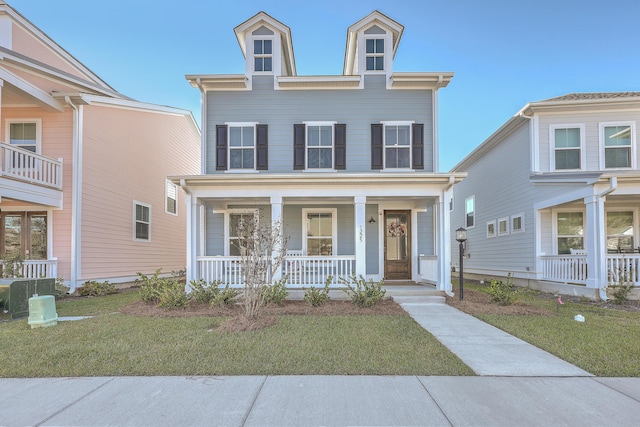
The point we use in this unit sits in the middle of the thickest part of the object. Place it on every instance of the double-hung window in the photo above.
(263, 55)
(24, 134)
(171, 198)
(567, 152)
(320, 231)
(617, 142)
(141, 221)
(242, 228)
(620, 231)
(570, 232)
(242, 144)
(319, 146)
(397, 146)
(470, 212)
(374, 53)
(517, 223)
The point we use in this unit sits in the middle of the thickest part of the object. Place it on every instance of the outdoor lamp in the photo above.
(461, 236)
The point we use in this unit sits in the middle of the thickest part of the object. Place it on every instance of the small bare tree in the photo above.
(262, 249)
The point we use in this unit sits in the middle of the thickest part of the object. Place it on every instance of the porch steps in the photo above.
(415, 294)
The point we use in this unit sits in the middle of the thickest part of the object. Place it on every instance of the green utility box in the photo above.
(42, 311)
(15, 294)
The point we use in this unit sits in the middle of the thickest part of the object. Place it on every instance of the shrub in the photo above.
(61, 290)
(150, 286)
(93, 288)
(622, 289)
(363, 293)
(275, 293)
(317, 297)
(225, 296)
(172, 295)
(502, 293)
(204, 293)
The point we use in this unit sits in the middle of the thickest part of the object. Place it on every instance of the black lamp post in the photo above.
(461, 236)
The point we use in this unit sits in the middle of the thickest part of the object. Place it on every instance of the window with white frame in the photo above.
(470, 212)
(491, 228)
(24, 134)
(567, 143)
(620, 231)
(374, 53)
(263, 55)
(617, 142)
(397, 146)
(319, 145)
(503, 226)
(517, 223)
(570, 231)
(320, 232)
(242, 227)
(242, 144)
(141, 221)
(171, 198)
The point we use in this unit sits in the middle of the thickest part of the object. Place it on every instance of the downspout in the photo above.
(613, 184)
(76, 195)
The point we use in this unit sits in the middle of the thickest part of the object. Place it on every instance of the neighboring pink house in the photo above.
(83, 189)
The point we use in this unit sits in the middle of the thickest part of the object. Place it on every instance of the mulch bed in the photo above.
(475, 302)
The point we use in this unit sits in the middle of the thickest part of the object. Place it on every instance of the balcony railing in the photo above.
(31, 269)
(24, 165)
(573, 268)
(300, 270)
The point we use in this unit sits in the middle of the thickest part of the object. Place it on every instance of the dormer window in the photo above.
(263, 55)
(375, 54)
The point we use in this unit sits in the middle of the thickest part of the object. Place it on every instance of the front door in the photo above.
(397, 245)
(23, 234)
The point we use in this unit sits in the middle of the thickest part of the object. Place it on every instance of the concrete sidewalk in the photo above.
(320, 400)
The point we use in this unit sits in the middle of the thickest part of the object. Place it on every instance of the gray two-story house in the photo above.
(347, 163)
(553, 195)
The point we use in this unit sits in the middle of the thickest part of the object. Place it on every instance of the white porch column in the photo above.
(595, 241)
(360, 235)
(276, 221)
(192, 239)
(443, 224)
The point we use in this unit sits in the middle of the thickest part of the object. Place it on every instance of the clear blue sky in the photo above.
(504, 53)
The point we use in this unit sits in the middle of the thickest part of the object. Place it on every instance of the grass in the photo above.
(606, 344)
(116, 344)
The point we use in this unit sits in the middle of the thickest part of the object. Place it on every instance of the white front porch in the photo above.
(573, 269)
(32, 269)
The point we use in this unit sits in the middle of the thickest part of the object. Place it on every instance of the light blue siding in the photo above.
(214, 233)
(357, 108)
(426, 243)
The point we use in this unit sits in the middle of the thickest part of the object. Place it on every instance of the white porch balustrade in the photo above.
(573, 268)
(34, 269)
(24, 165)
(299, 270)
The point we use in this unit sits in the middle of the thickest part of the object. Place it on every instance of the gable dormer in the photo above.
(372, 43)
(267, 47)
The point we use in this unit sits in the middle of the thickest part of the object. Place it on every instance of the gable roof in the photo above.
(583, 96)
(374, 18)
(260, 19)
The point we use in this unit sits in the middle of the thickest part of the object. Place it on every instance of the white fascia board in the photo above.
(420, 80)
(225, 82)
(31, 193)
(38, 95)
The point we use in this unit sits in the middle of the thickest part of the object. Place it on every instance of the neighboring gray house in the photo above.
(553, 195)
(348, 163)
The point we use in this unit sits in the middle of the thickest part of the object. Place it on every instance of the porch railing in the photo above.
(300, 270)
(32, 269)
(25, 165)
(573, 268)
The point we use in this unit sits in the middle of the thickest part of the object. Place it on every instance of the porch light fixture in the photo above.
(372, 220)
(461, 237)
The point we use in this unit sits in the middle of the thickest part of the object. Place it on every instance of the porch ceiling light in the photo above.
(461, 234)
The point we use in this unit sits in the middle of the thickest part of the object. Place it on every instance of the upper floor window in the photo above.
(567, 148)
(397, 146)
(24, 135)
(242, 146)
(171, 198)
(374, 52)
(617, 142)
(319, 145)
(142, 221)
(470, 211)
(263, 55)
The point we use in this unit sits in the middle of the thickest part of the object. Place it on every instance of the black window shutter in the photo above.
(417, 146)
(262, 148)
(221, 147)
(340, 144)
(298, 147)
(376, 146)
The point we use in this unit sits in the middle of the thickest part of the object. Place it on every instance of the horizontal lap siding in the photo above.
(57, 142)
(280, 109)
(126, 162)
(425, 232)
